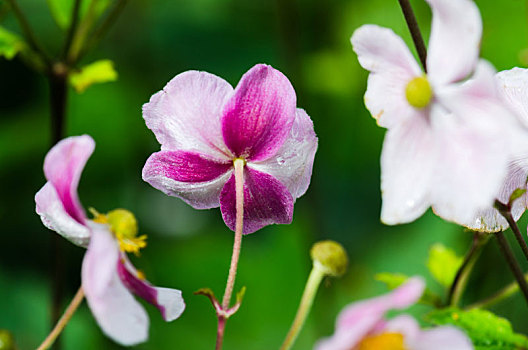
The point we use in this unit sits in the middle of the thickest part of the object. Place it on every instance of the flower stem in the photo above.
(239, 224)
(505, 211)
(314, 280)
(498, 296)
(512, 263)
(459, 283)
(70, 310)
(410, 18)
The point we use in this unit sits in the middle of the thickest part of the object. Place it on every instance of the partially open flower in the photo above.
(108, 277)
(363, 326)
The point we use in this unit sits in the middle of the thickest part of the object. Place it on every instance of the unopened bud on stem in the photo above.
(332, 257)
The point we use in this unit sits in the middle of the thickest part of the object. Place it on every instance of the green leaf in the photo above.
(97, 72)
(487, 330)
(516, 194)
(443, 263)
(10, 44)
(394, 280)
(62, 10)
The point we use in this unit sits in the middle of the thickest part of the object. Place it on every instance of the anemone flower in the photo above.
(108, 277)
(445, 145)
(362, 326)
(204, 126)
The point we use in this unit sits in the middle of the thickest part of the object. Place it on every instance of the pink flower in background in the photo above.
(362, 326)
(445, 145)
(203, 125)
(108, 278)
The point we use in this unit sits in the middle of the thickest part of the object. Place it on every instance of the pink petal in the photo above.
(258, 117)
(407, 165)
(513, 89)
(441, 338)
(266, 201)
(168, 301)
(455, 40)
(55, 217)
(63, 167)
(193, 177)
(392, 65)
(185, 115)
(405, 325)
(293, 163)
(116, 311)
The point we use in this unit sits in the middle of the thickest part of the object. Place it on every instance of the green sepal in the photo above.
(101, 71)
(516, 195)
(443, 263)
(486, 330)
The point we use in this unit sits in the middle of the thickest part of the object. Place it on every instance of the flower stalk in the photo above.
(502, 294)
(505, 211)
(512, 263)
(410, 18)
(70, 310)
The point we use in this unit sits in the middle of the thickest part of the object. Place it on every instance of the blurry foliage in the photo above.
(153, 41)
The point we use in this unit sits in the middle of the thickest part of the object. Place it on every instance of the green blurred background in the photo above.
(151, 42)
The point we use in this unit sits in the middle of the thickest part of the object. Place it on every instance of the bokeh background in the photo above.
(151, 42)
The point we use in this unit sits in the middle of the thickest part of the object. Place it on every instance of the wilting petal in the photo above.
(195, 178)
(359, 319)
(63, 167)
(293, 163)
(185, 115)
(169, 301)
(55, 217)
(266, 201)
(258, 117)
(455, 40)
(118, 314)
(513, 88)
(440, 338)
(407, 164)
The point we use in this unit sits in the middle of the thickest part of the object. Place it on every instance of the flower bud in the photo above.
(331, 256)
(7, 342)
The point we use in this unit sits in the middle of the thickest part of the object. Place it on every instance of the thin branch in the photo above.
(410, 18)
(505, 211)
(73, 27)
(512, 263)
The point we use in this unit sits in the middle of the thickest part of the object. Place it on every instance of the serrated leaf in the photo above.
(487, 330)
(516, 195)
(443, 263)
(62, 10)
(394, 280)
(10, 44)
(97, 72)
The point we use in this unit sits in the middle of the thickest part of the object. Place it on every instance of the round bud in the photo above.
(7, 342)
(418, 92)
(331, 256)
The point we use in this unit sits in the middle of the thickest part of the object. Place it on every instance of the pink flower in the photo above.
(446, 143)
(108, 277)
(362, 326)
(203, 125)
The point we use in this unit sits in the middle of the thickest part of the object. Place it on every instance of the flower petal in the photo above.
(455, 40)
(405, 325)
(185, 115)
(441, 338)
(407, 165)
(116, 311)
(392, 65)
(195, 178)
(513, 88)
(55, 217)
(293, 163)
(169, 301)
(258, 117)
(63, 167)
(266, 201)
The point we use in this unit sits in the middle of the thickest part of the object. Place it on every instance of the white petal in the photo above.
(513, 89)
(441, 338)
(293, 163)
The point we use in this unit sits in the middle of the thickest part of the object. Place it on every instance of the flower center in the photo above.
(419, 92)
(383, 341)
(123, 225)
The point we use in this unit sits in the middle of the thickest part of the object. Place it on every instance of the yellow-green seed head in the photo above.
(419, 92)
(7, 341)
(331, 255)
(122, 222)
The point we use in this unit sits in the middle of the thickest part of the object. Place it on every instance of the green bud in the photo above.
(331, 256)
(7, 341)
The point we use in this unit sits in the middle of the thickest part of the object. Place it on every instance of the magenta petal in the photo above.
(266, 201)
(63, 166)
(192, 177)
(257, 119)
(169, 301)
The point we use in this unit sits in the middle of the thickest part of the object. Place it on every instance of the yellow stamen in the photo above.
(141, 275)
(419, 92)
(384, 341)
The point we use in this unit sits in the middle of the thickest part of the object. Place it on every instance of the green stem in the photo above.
(410, 18)
(512, 263)
(314, 280)
(505, 211)
(72, 29)
(498, 296)
(81, 33)
(459, 283)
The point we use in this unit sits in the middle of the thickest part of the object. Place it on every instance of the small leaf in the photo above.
(62, 10)
(394, 280)
(10, 44)
(443, 263)
(516, 195)
(210, 294)
(487, 330)
(97, 72)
